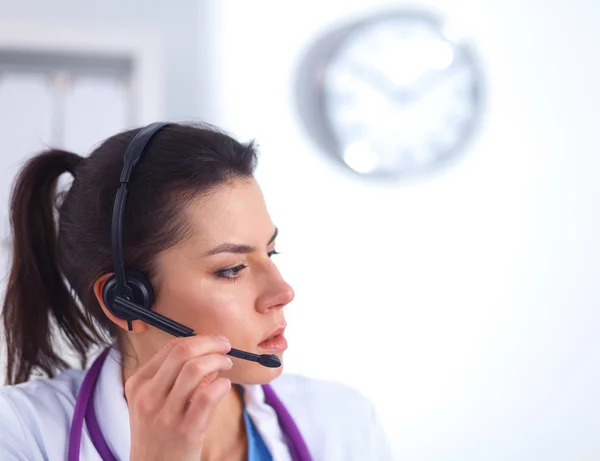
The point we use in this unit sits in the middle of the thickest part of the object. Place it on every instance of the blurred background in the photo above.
(433, 169)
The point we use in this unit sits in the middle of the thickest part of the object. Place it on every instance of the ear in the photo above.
(137, 325)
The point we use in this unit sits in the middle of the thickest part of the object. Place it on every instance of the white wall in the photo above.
(464, 304)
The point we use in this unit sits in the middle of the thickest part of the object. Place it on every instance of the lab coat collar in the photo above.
(111, 407)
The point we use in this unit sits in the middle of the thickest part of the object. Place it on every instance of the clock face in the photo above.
(391, 95)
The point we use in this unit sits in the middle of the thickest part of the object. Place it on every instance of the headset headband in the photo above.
(132, 157)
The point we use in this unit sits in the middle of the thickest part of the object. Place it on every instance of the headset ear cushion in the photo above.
(140, 286)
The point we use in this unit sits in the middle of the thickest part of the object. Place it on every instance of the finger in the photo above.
(196, 373)
(181, 353)
(202, 403)
(166, 363)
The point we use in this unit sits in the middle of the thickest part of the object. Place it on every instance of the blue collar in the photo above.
(257, 449)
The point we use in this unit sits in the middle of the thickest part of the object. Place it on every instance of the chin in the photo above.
(244, 372)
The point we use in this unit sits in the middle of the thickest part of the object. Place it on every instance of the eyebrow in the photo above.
(237, 248)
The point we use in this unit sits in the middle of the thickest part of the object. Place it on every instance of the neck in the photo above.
(226, 432)
(225, 436)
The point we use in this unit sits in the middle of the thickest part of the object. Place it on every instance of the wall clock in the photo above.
(390, 95)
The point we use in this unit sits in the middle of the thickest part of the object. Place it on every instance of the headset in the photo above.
(128, 293)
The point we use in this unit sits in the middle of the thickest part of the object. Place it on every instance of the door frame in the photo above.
(143, 48)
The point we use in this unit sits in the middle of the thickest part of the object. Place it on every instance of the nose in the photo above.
(276, 292)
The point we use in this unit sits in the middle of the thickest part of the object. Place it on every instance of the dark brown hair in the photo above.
(61, 245)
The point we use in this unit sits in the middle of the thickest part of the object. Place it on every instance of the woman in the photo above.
(196, 225)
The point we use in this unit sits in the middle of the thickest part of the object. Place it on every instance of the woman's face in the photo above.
(222, 281)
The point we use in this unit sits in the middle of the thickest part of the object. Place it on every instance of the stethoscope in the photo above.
(84, 411)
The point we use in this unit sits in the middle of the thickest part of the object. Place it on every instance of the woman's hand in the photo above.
(171, 397)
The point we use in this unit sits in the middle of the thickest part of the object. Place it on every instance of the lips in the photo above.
(276, 332)
(274, 341)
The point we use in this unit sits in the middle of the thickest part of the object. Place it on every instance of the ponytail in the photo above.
(37, 297)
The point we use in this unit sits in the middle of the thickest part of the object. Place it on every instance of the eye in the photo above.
(232, 272)
(273, 253)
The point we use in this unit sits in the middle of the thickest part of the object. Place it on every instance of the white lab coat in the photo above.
(337, 423)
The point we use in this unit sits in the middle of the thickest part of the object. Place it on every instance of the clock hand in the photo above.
(428, 82)
(372, 77)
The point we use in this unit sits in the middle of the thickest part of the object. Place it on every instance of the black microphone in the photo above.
(177, 329)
